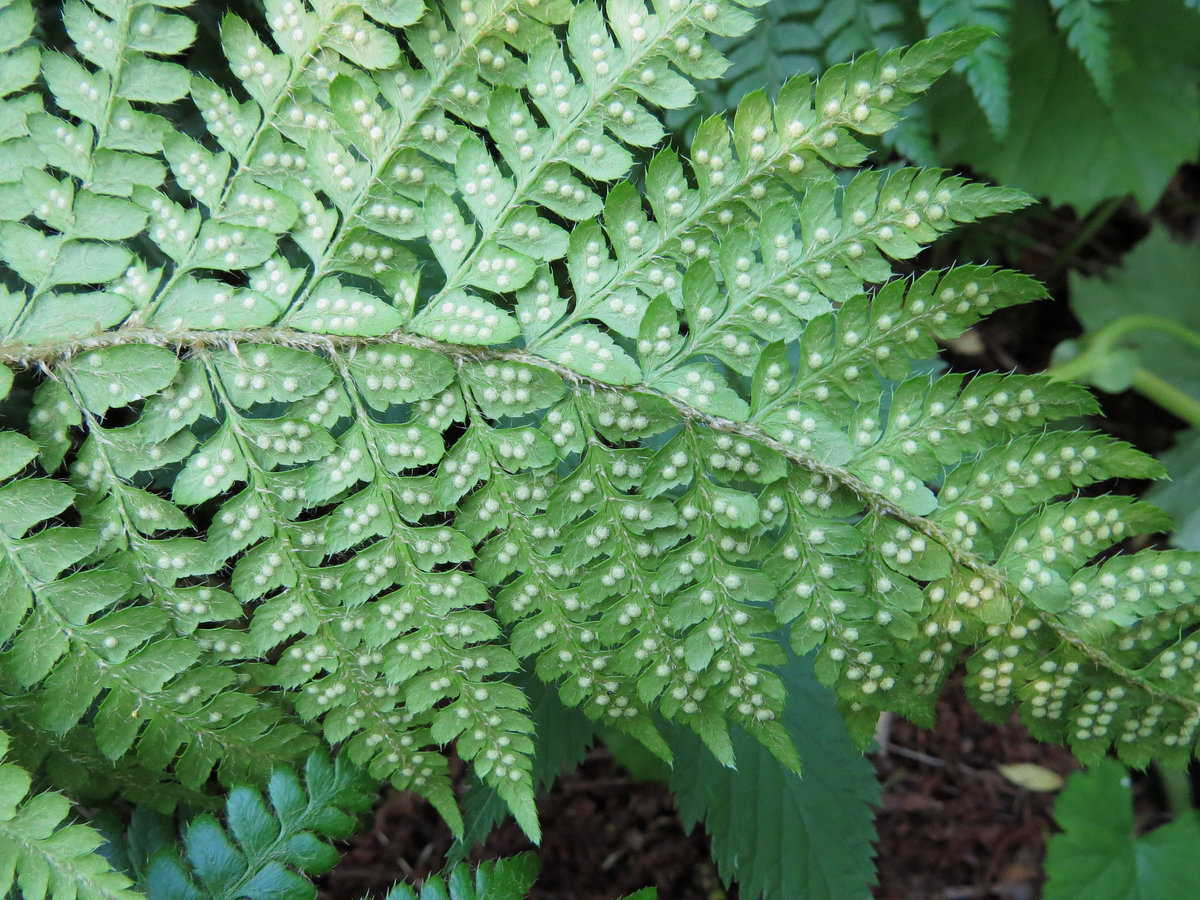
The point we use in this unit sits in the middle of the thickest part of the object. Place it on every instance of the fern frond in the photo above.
(1087, 25)
(75, 763)
(43, 858)
(267, 846)
(797, 36)
(418, 377)
(986, 69)
(81, 641)
(504, 879)
(273, 845)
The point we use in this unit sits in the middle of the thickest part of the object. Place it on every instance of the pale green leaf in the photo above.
(207, 304)
(333, 308)
(1031, 777)
(1154, 279)
(590, 352)
(29, 501)
(116, 376)
(16, 451)
(1098, 854)
(702, 387)
(152, 81)
(466, 319)
(16, 25)
(78, 91)
(76, 315)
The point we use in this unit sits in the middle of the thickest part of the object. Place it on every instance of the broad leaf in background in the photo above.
(1097, 856)
(1159, 277)
(987, 69)
(784, 836)
(1133, 144)
(1102, 96)
(1180, 497)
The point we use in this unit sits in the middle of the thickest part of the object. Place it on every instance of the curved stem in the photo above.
(1094, 223)
(1166, 395)
(1152, 386)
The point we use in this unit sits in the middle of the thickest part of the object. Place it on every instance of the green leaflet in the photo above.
(564, 736)
(337, 309)
(267, 844)
(41, 856)
(504, 879)
(1087, 27)
(1098, 854)
(119, 375)
(987, 69)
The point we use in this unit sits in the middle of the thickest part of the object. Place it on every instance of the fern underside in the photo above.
(396, 362)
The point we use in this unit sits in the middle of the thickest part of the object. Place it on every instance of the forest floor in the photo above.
(950, 825)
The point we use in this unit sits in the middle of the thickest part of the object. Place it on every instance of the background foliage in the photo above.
(1098, 854)
(1120, 118)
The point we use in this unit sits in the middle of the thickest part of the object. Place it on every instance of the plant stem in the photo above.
(1155, 388)
(1177, 786)
(1166, 395)
(1107, 337)
(1094, 223)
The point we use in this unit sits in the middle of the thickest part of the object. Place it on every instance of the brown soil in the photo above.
(951, 825)
(605, 836)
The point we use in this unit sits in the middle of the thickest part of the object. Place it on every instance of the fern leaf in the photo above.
(504, 879)
(117, 72)
(42, 857)
(1144, 97)
(564, 736)
(79, 640)
(797, 37)
(75, 763)
(406, 374)
(1087, 26)
(986, 69)
(266, 847)
(272, 845)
